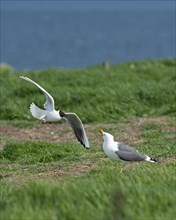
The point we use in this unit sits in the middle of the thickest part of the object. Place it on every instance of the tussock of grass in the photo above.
(5, 68)
(35, 152)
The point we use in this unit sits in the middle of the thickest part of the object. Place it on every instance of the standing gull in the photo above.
(121, 151)
(51, 115)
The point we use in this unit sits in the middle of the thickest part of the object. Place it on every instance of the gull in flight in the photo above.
(121, 151)
(49, 114)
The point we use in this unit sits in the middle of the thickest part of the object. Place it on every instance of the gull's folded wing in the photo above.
(128, 153)
(130, 156)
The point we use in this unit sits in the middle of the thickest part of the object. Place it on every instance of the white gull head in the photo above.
(109, 145)
(106, 136)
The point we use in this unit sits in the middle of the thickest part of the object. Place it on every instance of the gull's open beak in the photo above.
(100, 133)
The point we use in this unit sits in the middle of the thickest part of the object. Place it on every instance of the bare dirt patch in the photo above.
(43, 132)
(61, 132)
(168, 160)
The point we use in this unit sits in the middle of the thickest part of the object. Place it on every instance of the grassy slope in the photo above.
(140, 88)
(35, 181)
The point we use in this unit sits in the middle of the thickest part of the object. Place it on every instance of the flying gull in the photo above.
(121, 151)
(49, 114)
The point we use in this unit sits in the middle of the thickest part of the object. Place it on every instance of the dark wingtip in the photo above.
(154, 159)
(80, 140)
(62, 113)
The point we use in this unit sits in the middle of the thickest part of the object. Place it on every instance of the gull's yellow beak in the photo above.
(100, 133)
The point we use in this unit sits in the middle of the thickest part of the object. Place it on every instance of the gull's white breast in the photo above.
(52, 116)
(110, 149)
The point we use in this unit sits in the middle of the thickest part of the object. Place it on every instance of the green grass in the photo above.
(140, 88)
(48, 185)
(33, 152)
(50, 180)
(102, 194)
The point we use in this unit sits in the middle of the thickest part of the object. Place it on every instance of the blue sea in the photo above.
(74, 34)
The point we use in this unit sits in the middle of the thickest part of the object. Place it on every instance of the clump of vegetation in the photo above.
(5, 68)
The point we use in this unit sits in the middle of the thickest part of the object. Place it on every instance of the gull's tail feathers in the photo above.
(151, 159)
(37, 112)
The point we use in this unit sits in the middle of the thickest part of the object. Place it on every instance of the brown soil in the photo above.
(61, 132)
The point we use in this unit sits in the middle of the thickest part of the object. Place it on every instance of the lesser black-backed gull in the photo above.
(121, 151)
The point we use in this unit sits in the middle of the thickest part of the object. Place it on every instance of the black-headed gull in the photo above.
(49, 114)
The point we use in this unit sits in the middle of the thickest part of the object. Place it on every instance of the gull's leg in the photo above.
(123, 166)
(43, 121)
(43, 118)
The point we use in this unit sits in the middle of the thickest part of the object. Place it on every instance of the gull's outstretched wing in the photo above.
(128, 153)
(49, 104)
(77, 127)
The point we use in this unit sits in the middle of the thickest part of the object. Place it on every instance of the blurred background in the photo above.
(73, 34)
